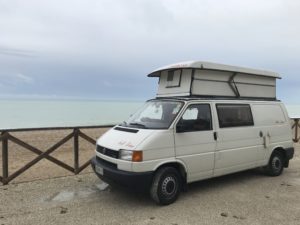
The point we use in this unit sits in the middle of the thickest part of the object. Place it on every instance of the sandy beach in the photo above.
(19, 156)
(247, 197)
(56, 196)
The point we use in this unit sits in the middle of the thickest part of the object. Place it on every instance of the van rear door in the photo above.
(274, 126)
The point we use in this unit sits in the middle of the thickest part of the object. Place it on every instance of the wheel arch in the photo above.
(180, 166)
(282, 151)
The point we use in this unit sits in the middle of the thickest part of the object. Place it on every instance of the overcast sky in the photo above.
(105, 48)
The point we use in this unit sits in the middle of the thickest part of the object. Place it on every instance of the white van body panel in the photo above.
(158, 149)
(236, 148)
(115, 139)
(184, 79)
(273, 121)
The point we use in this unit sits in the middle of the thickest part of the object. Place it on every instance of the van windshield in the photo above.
(155, 114)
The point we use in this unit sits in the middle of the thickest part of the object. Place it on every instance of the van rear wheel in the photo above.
(276, 164)
(166, 186)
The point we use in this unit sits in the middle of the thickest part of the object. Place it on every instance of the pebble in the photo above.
(239, 217)
(224, 214)
(63, 210)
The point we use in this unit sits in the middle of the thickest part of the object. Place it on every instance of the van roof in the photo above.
(213, 66)
(191, 98)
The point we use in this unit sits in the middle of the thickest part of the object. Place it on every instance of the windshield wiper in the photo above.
(138, 124)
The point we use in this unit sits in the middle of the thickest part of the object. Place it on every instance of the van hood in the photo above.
(123, 138)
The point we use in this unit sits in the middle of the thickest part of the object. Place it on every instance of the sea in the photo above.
(60, 113)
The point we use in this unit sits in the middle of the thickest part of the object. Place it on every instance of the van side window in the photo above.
(196, 117)
(234, 115)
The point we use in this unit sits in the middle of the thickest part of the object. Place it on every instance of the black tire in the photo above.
(166, 186)
(276, 164)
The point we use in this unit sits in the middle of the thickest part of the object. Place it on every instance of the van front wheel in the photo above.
(166, 186)
(276, 164)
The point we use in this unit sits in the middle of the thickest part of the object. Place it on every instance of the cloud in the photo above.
(82, 48)
(15, 80)
(16, 52)
(24, 79)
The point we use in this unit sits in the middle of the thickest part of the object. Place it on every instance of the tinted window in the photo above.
(170, 75)
(196, 118)
(231, 115)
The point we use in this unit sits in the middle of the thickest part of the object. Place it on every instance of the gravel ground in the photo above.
(19, 156)
(242, 198)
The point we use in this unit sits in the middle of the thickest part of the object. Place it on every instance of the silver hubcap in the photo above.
(169, 186)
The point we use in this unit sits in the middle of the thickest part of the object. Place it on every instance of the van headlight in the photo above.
(128, 155)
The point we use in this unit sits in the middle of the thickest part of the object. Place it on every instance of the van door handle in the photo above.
(215, 135)
(261, 134)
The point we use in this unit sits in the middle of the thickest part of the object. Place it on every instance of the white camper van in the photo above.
(207, 120)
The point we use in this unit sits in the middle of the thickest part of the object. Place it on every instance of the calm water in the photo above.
(47, 113)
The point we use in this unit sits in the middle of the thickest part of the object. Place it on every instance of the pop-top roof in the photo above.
(213, 66)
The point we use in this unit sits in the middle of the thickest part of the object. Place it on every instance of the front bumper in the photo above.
(112, 175)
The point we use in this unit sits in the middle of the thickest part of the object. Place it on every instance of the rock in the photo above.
(63, 210)
(239, 217)
(224, 214)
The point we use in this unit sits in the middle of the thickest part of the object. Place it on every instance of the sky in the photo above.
(103, 49)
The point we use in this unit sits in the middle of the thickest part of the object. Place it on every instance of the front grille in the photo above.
(108, 152)
(106, 163)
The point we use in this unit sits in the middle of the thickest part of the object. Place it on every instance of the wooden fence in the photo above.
(295, 128)
(6, 136)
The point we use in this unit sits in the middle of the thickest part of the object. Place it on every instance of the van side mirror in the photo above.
(180, 128)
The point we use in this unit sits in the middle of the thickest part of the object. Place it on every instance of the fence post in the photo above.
(296, 129)
(76, 150)
(4, 136)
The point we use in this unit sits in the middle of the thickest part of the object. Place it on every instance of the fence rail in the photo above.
(6, 136)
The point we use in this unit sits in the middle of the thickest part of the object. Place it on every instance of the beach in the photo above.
(49, 194)
(248, 197)
(19, 156)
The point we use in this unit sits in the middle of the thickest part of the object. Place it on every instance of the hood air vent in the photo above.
(126, 129)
